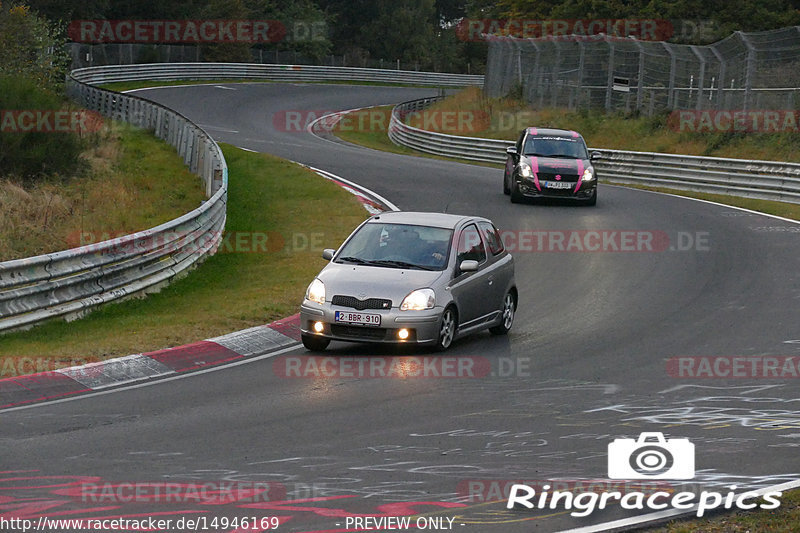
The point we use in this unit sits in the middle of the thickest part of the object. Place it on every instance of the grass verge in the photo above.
(369, 128)
(643, 136)
(784, 519)
(294, 210)
(504, 118)
(134, 181)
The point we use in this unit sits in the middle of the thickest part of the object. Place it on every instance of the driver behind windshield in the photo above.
(403, 243)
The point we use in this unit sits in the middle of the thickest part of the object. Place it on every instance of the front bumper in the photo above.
(527, 187)
(423, 326)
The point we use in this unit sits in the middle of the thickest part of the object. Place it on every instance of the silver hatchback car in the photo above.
(418, 278)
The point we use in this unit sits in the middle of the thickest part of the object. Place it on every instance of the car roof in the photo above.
(552, 132)
(417, 218)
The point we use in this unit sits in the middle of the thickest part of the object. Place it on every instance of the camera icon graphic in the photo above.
(651, 457)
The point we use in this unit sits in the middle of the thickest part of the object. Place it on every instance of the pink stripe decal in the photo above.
(533, 131)
(580, 176)
(575, 134)
(535, 169)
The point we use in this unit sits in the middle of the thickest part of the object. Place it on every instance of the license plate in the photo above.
(364, 319)
(558, 185)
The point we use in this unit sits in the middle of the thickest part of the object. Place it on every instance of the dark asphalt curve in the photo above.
(586, 362)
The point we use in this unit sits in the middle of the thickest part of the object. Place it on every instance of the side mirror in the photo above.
(595, 156)
(328, 253)
(511, 150)
(468, 266)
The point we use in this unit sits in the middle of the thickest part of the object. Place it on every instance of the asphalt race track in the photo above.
(586, 363)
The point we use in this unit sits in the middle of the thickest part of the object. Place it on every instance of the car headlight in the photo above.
(588, 174)
(418, 300)
(316, 291)
(525, 170)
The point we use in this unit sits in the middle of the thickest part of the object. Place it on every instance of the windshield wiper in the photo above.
(399, 264)
(356, 260)
(564, 155)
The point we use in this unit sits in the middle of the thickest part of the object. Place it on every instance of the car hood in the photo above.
(365, 282)
(557, 165)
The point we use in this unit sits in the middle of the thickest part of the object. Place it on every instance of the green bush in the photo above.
(34, 154)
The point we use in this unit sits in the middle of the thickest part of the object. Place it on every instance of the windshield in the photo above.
(398, 246)
(570, 147)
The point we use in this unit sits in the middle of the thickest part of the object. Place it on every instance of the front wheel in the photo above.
(506, 188)
(314, 342)
(593, 199)
(447, 329)
(509, 308)
(516, 196)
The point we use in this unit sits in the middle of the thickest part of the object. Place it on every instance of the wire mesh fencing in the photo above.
(745, 71)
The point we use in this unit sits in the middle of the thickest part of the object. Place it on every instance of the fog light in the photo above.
(402, 334)
(319, 327)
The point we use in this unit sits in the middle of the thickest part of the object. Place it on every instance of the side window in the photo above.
(470, 246)
(492, 238)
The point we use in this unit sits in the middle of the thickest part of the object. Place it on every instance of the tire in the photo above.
(516, 196)
(315, 343)
(593, 199)
(506, 189)
(447, 329)
(509, 310)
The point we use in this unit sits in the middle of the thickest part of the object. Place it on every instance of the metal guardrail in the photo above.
(207, 71)
(70, 283)
(766, 180)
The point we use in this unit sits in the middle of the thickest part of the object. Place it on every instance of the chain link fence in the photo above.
(744, 71)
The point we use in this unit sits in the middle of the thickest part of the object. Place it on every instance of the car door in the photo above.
(499, 267)
(471, 290)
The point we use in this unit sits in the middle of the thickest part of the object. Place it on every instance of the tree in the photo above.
(31, 47)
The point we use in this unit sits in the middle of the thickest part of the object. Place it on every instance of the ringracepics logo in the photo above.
(649, 457)
(641, 459)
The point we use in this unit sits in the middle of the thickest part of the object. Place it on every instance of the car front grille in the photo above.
(357, 332)
(354, 303)
(569, 178)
